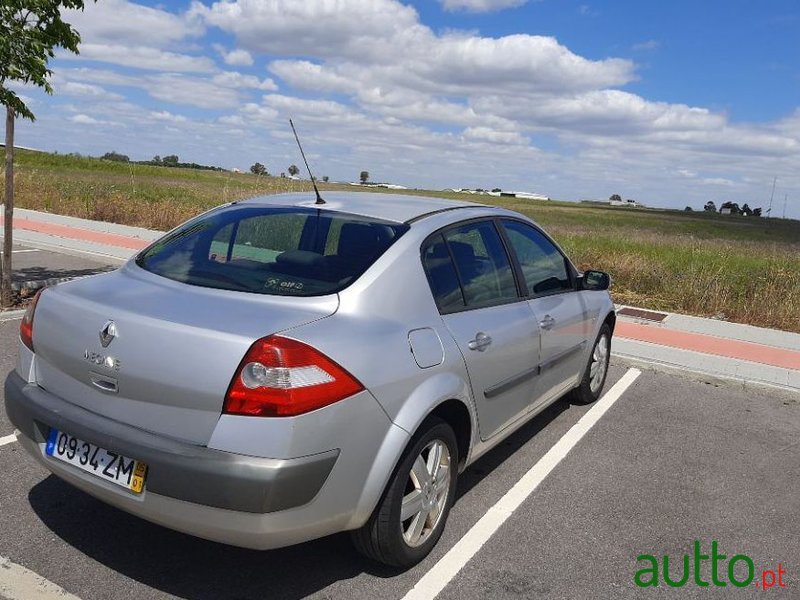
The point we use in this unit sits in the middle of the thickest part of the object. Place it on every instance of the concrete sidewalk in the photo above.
(708, 348)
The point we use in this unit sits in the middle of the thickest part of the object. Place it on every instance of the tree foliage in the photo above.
(293, 170)
(364, 176)
(170, 160)
(116, 156)
(710, 206)
(733, 207)
(615, 198)
(30, 31)
(258, 169)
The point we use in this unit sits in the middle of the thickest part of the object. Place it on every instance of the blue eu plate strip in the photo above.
(51, 442)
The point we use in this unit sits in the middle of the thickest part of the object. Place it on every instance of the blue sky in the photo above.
(670, 103)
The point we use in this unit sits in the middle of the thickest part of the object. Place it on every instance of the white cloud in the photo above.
(648, 45)
(236, 120)
(349, 28)
(306, 75)
(101, 76)
(164, 115)
(481, 5)
(388, 42)
(84, 90)
(233, 79)
(126, 23)
(718, 181)
(142, 57)
(605, 116)
(495, 137)
(254, 114)
(315, 108)
(180, 89)
(84, 119)
(236, 57)
(224, 89)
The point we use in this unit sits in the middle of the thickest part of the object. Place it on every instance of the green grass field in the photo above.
(742, 269)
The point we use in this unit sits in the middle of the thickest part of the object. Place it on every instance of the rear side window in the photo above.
(269, 250)
(442, 275)
(543, 266)
(468, 267)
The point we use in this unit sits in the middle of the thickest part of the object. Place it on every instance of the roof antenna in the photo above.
(303, 154)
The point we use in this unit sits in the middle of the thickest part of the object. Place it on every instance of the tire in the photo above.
(391, 540)
(594, 377)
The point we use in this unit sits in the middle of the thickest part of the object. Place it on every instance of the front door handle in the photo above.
(547, 323)
(480, 343)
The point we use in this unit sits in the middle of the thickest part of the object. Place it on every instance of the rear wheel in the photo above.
(596, 371)
(412, 513)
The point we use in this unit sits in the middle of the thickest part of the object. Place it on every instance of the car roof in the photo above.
(390, 207)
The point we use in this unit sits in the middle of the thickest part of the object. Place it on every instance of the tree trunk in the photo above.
(5, 271)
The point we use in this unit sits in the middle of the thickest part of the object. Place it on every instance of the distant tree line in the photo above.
(170, 160)
(732, 208)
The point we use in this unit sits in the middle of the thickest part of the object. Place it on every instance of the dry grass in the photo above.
(740, 269)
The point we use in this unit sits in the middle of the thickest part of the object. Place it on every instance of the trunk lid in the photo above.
(174, 349)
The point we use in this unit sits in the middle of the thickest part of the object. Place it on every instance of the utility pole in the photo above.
(8, 218)
(769, 210)
(785, 197)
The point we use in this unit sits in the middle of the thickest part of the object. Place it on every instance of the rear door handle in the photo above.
(480, 343)
(547, 323)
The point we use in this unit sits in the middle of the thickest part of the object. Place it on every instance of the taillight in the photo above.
(26, 327)
(280, 377)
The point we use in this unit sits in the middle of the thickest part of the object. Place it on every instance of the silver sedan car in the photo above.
(277, 370)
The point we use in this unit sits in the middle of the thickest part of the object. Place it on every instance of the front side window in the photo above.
(271, 250)
(543, 266)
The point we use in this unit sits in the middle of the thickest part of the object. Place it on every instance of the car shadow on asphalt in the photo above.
(490, 461)
(190, 567)
(29, 274)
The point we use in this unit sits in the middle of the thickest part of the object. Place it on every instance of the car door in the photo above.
(475, 288)
(560, 310)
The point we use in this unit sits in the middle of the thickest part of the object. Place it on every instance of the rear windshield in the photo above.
(268, 250)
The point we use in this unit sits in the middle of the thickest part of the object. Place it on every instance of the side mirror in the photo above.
(596, 281)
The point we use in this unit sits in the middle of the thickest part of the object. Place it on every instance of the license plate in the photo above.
(113, 467)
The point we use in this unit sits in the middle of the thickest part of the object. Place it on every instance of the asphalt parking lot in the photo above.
(36, 264)
(672, 461)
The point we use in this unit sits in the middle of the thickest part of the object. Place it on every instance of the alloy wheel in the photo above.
(426, 493)
(599, 366)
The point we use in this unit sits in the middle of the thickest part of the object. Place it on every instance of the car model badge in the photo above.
(108, 333)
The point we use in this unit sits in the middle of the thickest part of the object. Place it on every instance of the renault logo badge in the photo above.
(108, 333)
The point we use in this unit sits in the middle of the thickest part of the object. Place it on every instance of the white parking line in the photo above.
(26, 250)
(19, 583)
(459, 555)
(8, 439)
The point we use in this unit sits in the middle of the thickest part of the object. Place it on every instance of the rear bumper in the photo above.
(180, 471)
